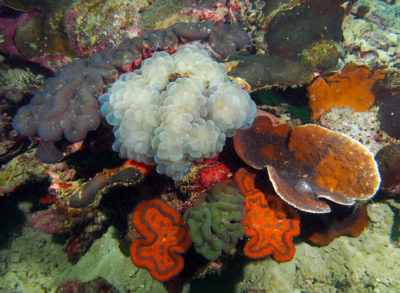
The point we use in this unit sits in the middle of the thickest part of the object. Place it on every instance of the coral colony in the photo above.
(201, 170)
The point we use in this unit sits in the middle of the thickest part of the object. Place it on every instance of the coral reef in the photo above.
(268, 223)
(11, 143)
(351, 87)
(93, 26)
(361, 126)
(85, 205)
(388, 114)
(292, 31)
(81, 226)
(214, 221)
(309, 163)
(163, 237)
(21, 169)
(182, 108)
(98, 284)
(17, 83)
(372, 39)
(66, 106)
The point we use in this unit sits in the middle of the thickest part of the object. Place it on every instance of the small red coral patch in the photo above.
(163, 237)
(269, 225)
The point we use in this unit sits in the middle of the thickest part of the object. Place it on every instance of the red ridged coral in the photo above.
(163, 238)
(270, 225)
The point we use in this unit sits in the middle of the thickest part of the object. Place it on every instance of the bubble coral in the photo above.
(309, 163)
(351, 87)
(163, 237)
(268, 223)
(214, 221)
(175, 110)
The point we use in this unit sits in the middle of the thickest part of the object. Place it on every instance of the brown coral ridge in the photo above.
(323, 229)
(88, 192)
(389, 166)
(309, 163)
(66, 106)
(263, 71)
(292, 31)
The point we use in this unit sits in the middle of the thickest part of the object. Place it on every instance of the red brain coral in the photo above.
(163, 237)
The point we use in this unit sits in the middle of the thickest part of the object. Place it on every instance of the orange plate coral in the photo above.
(269, 224)
(163, 237)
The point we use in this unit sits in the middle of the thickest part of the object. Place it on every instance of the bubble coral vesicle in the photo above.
(163, 237)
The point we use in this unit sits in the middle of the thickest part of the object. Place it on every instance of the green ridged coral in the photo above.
(214, 221)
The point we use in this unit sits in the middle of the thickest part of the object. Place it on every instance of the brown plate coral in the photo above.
(309, 163)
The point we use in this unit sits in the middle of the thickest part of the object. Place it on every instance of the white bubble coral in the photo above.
(175, 109)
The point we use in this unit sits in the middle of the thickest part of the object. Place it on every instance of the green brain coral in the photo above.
(214, 221)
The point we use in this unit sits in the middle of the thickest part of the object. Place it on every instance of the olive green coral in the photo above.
(214, 221)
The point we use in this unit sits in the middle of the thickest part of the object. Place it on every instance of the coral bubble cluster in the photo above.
(176, 109)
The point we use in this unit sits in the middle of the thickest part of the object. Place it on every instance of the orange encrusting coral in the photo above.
(163, 238)
(269, 225)
(351, 87)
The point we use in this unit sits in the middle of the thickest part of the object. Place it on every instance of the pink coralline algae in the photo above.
(47, 221)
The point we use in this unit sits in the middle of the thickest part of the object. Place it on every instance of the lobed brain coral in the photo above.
(214, 221)
(176, 109)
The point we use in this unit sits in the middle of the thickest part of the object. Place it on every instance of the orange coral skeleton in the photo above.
(163, 238)
(269, 225)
